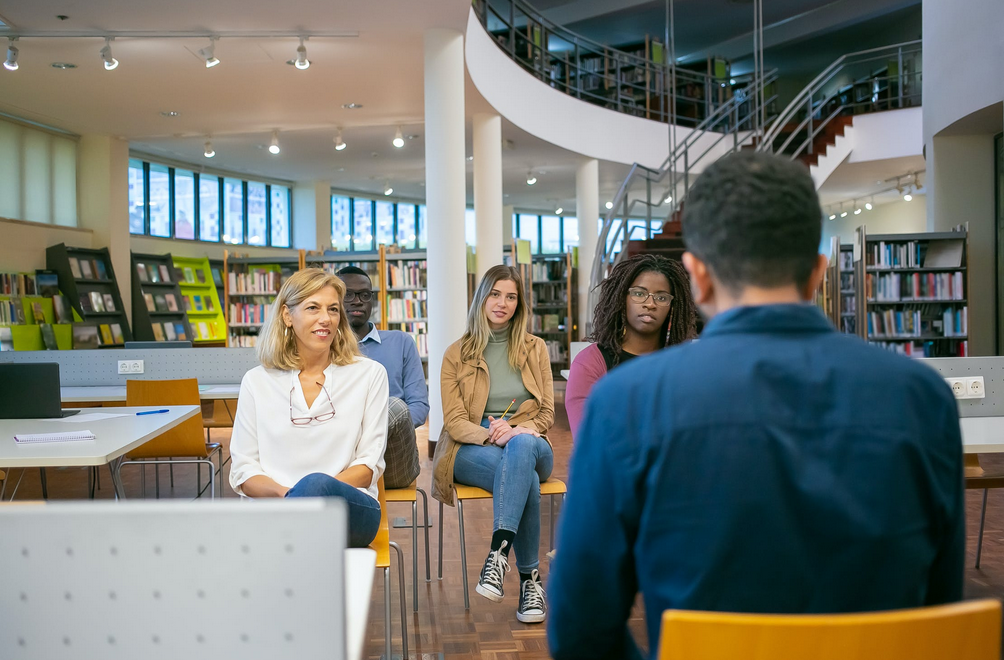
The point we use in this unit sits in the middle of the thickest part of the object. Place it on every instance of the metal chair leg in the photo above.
(551, 520)
(414, 551)
(45, 484)
(983, 518)
(171, 469)
(198, 480)
(156, 481)
(404, 599)
(463, 552)
(386, 612)
(440, 540)
(425, 509)
(142, 480)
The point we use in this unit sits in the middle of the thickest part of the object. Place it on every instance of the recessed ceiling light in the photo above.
(352, 106)
(170, 113)
(470, 158)
(63, 65)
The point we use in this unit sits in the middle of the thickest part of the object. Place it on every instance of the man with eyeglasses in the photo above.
(409, 396)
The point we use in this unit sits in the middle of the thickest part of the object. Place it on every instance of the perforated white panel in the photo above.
(173, 580)
(992, 370)
(100, 367)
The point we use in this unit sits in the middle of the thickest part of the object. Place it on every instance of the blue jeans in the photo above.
(513, 474)
(364, 511)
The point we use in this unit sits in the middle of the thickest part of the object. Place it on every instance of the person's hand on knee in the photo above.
(528, 431)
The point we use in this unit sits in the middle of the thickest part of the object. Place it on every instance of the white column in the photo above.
(445, 197)
(488, 190)
(312, 215)
(103, 185)
(587, 209)
(507, 212)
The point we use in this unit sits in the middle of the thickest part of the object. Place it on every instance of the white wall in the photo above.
(875, 136)
(893, 218)
(23, 245)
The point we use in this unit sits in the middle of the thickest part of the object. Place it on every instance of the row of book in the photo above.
(848, 304)
(256, 281)
(205, 330)
(97, 302)
(846, 261)
(556, 352)
(372, 269)
(419, 331)
(17, 284)
(92, 336)
(242, 341)
(927, 349)
(156, 273)
(897, 287)
(549, 271)
(547, 323)
(170, 331)
(88, 269)
(12, 312)
(950, 323)
(248, 313)
(161, 302)
(410, 305)
(407, 274)
(849, 324)
(915, 254)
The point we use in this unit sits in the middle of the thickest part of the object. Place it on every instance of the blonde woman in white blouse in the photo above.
(312, 420)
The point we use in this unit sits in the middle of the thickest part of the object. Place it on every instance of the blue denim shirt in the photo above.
(775, 465)
(398, 354)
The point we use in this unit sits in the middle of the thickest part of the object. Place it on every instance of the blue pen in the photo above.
(153, 412)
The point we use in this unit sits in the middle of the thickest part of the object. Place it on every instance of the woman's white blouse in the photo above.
(266, 442)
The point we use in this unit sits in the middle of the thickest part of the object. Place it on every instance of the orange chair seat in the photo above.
(549, 487)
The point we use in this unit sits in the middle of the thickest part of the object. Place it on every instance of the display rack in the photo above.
(251, 285)
(200, 301)
(158, 311)
(87, 278)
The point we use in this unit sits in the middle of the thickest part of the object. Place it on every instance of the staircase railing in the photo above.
(883, 78)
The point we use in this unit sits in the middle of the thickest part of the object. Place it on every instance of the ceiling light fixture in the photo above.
(833, 216)
(669, 198)
(209, 152)
(209, 53)
(530, 178)
(387, 190)
(398, 138)
(11, 63)
(274, 147)
(609, 205)
(907, 197)
(559, 211)
(106, 54)
(843, 214)
(339, 143)
(868, 205)
(301, 56)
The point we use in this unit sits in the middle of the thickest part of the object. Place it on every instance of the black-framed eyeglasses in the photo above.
(363, 296)
(639, 295)
(303, 421)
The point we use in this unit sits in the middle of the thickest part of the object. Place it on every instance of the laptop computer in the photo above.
(31, 391)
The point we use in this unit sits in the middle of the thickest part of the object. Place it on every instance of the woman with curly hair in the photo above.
(645, 304)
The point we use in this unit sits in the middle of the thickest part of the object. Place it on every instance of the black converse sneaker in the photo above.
(494, 570)
(532, 608)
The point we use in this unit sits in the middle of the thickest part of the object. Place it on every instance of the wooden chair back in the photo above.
(187, 438)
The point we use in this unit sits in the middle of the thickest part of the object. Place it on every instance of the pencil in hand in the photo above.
(502, 418)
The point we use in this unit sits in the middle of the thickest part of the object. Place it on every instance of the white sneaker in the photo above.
(492, 574)
(532, 608)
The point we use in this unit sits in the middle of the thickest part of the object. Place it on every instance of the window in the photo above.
(528, 230)
(279, 219)
(422, 234)
(550, 234)
(362, 218)
(385, 223)
(406, 225)
(209, 207)
(160, 201)
(233, 211)
(37, 185)
(137, 198)
(341, 231)
(38, 175)
(571, 236)
(470, 227)
(257, 214)
(64, 182)
(184, 204)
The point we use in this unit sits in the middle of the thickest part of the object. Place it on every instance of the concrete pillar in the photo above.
(488, 190)
(587, 209)
(103, 185)
(312, 215)
(445, 197)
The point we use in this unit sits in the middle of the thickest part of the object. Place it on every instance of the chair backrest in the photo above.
(575, 348)
(171, 579)
(961, 631)
(185, 439)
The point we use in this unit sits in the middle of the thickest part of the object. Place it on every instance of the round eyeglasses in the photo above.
(640, 295)
(363, 296)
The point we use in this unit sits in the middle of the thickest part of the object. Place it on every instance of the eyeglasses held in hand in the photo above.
(303, 421)
(639, 296)
(364, 296)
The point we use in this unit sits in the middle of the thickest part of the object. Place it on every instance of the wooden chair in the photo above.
(184, 444)
(410, 494)
(551, 487)
(978, 479)
(382, 545)
(969, 630)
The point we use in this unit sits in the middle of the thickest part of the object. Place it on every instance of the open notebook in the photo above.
(66, 436)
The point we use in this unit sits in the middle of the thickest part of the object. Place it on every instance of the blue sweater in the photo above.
(774, 465)
(397, 352)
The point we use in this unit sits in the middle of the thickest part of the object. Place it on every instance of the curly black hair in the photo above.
(609, 317)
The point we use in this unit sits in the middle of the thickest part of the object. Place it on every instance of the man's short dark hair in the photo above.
(755, 220)
(354, 270)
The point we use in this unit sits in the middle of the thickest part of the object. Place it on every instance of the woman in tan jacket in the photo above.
(497, 365)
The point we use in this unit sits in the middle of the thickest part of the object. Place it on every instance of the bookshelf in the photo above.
(200, 302)
(371, 262)
(158, 312)
(251, 285)
(405, 294)
(30, 323)
(86, 276)
(553, 304)
(217, 270)
(912, 292)
(846, 291)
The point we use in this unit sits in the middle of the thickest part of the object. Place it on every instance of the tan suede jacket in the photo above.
(465, 386)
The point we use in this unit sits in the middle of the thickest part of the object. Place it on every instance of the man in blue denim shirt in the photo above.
(774, 465)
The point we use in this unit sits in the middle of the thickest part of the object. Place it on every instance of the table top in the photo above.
(982, 435)
(117, 393)
(360, 564)
(113, 436)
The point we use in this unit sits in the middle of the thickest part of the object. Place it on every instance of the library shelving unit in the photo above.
(553, 304)
(87, 278)
(405, 294)
(200, 302)
(158, 312)
(217, 270)
(912, 292)
(826, 296)
(25, 332)
(371, 262)
(251, 285)
(845, 302)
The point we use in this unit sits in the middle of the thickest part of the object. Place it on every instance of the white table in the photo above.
(117, 393)
(982, 435)
(360, 565)
(113, 438)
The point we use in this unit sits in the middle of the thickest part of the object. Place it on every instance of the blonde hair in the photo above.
(277, 345)
(475, 339)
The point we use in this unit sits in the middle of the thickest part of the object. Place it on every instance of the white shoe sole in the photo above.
(489, 594)
(530, 618)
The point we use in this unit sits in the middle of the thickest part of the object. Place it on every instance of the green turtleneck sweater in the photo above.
(506, 382)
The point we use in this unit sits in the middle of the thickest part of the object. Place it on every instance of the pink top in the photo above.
(587, 368)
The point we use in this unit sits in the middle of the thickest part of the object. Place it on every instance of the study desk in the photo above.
(113, 438)
(117, 393)
(982, 435)
(360, 565)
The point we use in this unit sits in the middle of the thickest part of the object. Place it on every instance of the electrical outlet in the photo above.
(974, 388)
(136, 366)
(124, 366)
(959, 387)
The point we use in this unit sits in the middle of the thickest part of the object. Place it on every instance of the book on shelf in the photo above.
(109, 302)
(142, 273)
(158, 332)
(17, 284)
(99, 269)
(46, 283)
(256, 281)
(117, 333)
(179, 330)
(97, 302)
(407, 274)
(547, 323)
(169, 332)
(189, 275)
(915, 254)
(49, 337)
(165, 275)
(407, 306)
(200, 276)
(927, 349)
(898, 287)
(75, 268)
(6, 339)
(172, 302)
(36, 313)
(150, 305)
(161, 302)
(550, 270)
(106, 334)
(932, 324)
(61, 309)
(85, 269)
